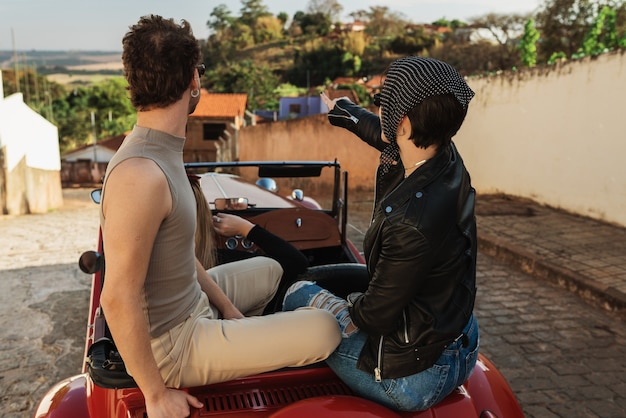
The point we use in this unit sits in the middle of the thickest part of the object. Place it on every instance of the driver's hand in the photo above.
(172, 404)
(229, 225)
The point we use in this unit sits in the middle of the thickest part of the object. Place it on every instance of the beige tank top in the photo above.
(171, 289)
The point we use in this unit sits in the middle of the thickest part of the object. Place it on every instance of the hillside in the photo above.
(277, 56)
(51, 59)
(67, 67)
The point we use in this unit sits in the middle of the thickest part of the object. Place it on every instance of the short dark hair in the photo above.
(436, 120)
(159, 58)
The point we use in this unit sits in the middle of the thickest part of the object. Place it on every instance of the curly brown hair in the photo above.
(159, 58)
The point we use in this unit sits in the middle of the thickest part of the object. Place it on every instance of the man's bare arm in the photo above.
(216, 295)
(136, 200)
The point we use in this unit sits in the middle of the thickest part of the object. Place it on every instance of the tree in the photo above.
(251, 10)
(266, 29)
(39, 93)
(602, 34)
(412, 43)
(354, 42)
(257, 81)
(528, 44)
(454, 23)
(469, 58)
(221, 19)
(109, 100)
(384, 23)
(316, 61)
(111, 95)
(221, 43)
(329, 8)
(358, 15)
(504, 29)
(564, 24)
(312, 24)
(283, 17)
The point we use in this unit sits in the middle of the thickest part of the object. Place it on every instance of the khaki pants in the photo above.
(204, 349)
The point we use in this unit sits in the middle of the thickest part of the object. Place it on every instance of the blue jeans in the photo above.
(416, 392)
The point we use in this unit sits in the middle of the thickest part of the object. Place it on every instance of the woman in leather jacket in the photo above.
(410, 338)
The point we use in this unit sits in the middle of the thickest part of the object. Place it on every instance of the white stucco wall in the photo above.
(30, 173)
(26, 134)
(556, 135)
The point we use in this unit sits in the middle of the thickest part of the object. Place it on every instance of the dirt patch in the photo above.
(503, 205)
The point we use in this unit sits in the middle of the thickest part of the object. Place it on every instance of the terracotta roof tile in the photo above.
(113, 142)
(339, 93)
(375, 82)
(224, 105)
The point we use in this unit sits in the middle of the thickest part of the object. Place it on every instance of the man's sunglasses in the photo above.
(201, 69)
(376, 99)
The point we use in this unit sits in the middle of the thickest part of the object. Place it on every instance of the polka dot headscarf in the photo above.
(408, 82)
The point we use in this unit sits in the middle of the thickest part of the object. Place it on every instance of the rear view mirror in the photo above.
(96, 195)
(91, 262)
(231, 203)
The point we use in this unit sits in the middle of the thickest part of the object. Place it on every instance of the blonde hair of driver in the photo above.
(205, 234)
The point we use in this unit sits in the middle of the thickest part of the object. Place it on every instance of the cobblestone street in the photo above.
(562, 356)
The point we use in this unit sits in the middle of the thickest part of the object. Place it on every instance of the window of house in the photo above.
(213, 131)
(295, 108)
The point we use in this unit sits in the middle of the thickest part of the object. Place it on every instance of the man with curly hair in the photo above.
(156, 293)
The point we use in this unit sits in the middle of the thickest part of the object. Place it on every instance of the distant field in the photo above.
(81, 79)
(88, 73)
(58, 58)
(115, 65)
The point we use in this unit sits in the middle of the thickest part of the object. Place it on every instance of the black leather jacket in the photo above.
(421, 257)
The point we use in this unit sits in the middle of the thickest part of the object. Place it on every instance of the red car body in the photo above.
(313, 391)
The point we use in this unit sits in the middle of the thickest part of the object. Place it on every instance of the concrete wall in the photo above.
(555, 135)
(32, 190)
(311, 139)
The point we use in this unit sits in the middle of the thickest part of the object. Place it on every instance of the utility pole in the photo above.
(93, 134)
(27, 97)
(17, 78)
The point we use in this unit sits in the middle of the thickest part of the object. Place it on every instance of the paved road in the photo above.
(562, 356)
(44, 299)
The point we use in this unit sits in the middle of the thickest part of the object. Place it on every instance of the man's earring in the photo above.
(195, 93)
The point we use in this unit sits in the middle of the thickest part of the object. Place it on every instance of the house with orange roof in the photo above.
(212, 134)
(213, 128)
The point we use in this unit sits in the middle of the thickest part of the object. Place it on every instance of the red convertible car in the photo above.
(315, 224)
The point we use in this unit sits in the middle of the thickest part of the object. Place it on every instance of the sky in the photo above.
(100, 25)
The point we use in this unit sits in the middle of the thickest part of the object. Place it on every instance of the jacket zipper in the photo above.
(350, 116)
(406, 331)
(377, 371)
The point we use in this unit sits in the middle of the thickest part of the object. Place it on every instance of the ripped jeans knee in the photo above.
(305, 293)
